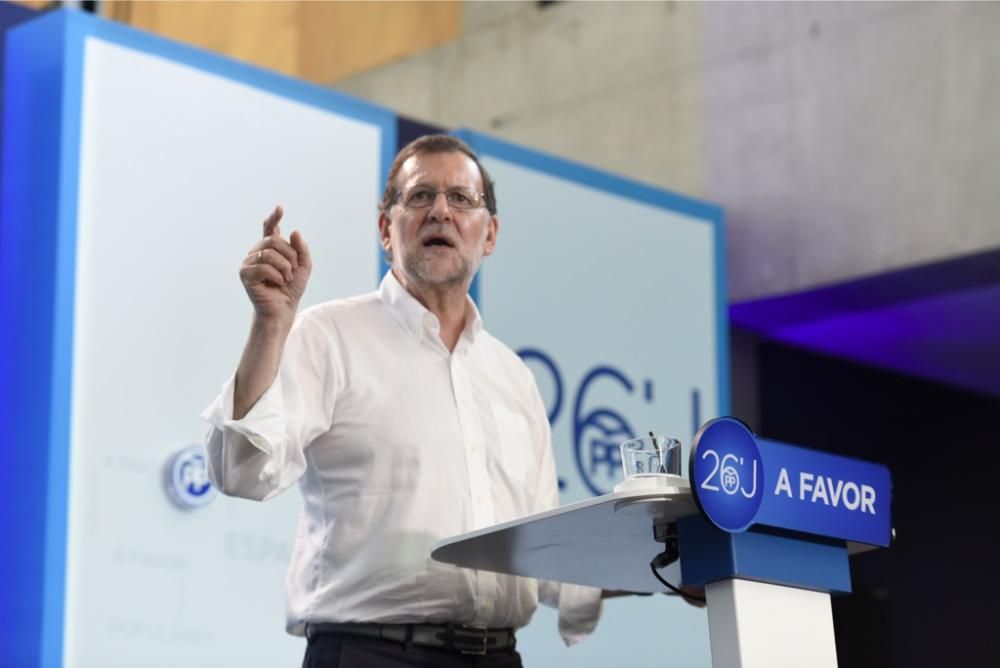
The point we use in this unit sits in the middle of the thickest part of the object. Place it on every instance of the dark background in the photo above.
(927, 599)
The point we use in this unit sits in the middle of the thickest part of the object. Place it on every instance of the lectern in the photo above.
(765, 527)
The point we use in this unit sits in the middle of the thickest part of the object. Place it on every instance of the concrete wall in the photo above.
(611, 84)
(842, 138)
(850, 138)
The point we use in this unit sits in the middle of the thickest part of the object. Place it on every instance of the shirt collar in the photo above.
(414, 316)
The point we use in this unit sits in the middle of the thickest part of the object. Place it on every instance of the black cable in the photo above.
(656, 574)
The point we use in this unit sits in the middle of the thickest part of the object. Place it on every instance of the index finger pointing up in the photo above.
(271, 222)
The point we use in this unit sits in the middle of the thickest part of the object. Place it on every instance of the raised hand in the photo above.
(275, 273)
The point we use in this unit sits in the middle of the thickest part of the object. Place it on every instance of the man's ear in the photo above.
(383, 232)
(492, 230)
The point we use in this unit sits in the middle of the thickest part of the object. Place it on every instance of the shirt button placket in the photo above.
(479, 485)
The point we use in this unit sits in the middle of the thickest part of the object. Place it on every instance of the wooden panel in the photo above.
(344, 38)
(262, 33)
(318, 41)
(35, 4)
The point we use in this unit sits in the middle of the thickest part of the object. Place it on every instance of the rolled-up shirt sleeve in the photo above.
(263, 453)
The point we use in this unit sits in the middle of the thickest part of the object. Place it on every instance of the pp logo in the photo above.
(730, 479)
(727, 474)
(596, 433)
(187, 478)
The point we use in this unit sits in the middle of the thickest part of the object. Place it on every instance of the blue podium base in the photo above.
(709, 554)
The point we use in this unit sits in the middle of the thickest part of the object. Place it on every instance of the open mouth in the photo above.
(439, 242)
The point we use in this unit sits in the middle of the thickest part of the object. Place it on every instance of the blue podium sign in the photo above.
(727, 464)
(739, 479)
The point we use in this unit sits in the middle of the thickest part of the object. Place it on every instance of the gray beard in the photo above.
(425, 274)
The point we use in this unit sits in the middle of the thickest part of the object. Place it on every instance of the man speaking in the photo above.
(404, 422)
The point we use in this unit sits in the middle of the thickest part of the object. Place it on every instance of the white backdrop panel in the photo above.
(593, 278)
(175, 180)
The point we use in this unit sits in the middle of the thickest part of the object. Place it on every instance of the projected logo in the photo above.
(727, 474)
(187, 480)
(596, 431)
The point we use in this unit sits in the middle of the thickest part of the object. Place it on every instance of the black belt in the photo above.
(464, 639)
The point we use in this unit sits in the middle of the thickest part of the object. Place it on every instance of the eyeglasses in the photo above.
(457, 198)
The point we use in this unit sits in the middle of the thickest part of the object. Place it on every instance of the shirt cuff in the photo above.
(263, 426)
(579, 610)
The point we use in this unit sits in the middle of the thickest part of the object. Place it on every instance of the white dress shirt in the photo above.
(397, 443)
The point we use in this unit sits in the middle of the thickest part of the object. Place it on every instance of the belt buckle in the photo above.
(476, 632)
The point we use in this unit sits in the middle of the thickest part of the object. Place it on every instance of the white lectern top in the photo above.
(604, 542)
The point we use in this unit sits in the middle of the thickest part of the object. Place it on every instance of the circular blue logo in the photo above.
(727, 474)
(187, 478)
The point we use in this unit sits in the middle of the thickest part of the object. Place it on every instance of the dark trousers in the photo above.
(339, 650)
